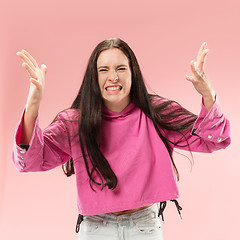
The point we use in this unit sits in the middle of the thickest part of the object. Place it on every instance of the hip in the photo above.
(141, 224)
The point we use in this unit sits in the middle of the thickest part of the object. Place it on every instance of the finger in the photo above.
(30, 57)
(25, 59)
(35, 82)
(190, 78)
(30, 70)
(200, 66)
(203, 46)
(202, 49)
(193, 68)
(44, 68)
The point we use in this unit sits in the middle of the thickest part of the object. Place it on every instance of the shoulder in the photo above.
(69, 114)
(64, 120)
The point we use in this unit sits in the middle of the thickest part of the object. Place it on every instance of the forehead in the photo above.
(112, 57)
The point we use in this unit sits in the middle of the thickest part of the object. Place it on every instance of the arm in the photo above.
(47, 149)
(37, 83)
(211, 131)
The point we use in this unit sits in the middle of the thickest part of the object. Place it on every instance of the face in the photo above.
(114, 78)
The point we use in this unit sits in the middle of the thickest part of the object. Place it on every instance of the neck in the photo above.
(116, 107)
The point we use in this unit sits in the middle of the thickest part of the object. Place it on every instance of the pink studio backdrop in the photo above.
(165, 36)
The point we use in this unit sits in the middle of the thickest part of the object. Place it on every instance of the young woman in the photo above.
(118, 139)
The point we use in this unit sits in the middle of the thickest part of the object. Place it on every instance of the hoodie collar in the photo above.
(126, 111)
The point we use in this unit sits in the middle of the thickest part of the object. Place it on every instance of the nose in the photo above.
(113, 76)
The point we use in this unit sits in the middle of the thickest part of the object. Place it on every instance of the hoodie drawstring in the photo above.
(163, 206)
(80, 219)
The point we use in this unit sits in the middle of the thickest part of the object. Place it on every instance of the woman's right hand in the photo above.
(37, 77)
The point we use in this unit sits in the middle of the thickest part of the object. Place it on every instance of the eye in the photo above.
(121, 69)
(102, 70)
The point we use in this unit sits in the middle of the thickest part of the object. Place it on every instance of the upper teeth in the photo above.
(113, 88)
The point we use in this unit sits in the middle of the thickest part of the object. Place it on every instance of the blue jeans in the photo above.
(140, 225)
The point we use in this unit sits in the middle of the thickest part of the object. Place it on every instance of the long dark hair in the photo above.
(89, 103)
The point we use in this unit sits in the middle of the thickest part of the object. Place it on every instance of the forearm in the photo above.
(30, 116)
(209, 100)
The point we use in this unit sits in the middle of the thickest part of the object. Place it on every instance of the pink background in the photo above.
(164, 37)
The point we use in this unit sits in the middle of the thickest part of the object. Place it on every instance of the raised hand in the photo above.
(199, 78)
(37, 77)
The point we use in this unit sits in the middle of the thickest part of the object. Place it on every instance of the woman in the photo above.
(118, 140)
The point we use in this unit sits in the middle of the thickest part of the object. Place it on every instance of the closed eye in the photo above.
(118, 69)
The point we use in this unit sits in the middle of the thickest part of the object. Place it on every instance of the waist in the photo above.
(149, 211)
(131, 210)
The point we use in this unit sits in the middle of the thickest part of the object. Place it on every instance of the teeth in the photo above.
(113, 88)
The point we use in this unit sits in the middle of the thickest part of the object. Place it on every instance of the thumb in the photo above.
(44, 68)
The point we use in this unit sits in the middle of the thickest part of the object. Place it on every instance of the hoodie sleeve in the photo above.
(210, 132)
(47, 148)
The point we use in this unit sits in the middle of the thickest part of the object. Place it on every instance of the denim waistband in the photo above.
(146, 213)
(141, 215)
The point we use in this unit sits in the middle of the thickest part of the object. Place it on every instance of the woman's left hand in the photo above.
(199, 78)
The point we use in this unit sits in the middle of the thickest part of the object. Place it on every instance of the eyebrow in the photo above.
(122, 65)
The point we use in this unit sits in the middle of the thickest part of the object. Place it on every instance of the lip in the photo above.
(113, 92)
(113, 86)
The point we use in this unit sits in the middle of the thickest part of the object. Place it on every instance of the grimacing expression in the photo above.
(114, 79)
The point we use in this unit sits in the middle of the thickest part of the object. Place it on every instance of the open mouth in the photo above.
(113, 88)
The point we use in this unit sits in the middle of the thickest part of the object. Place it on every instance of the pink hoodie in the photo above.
(133, 149)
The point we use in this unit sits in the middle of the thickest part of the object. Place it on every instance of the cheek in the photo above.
(128, 79)
(129, 82)
(100, 82)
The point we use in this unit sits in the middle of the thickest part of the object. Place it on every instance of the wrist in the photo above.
(209, 96)
(32, 111)
(209, 100)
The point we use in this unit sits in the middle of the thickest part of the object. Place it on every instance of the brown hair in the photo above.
(89, 102)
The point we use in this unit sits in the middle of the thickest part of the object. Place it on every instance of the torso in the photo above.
(131, 210)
